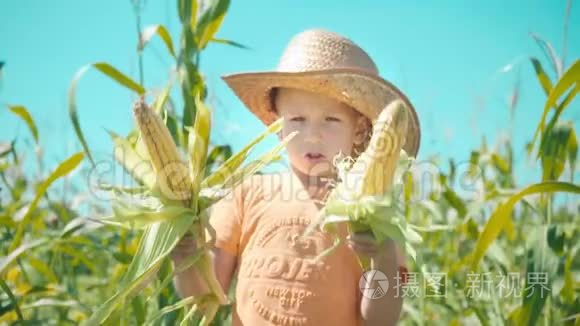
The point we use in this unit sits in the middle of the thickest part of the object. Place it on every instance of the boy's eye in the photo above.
(297, 119)
(333, 119)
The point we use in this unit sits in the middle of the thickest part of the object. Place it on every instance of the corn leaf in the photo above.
(210, 21)
(555, 150)
(43, 269)
(5, 149)
(23, 113)
(229, 42)
(161, 99)
(543, 78)
(550, 53)
(219, 153)
(502, 214)
(155, 244)
(141, 216)
(72, 106)
(255, 166)
(187, 11)
(62, 170)
(167, 309)
(14, 254)
(193, 19)
(554, 120)
(12, 298)
(137, 166)
(198, 143)
(225, 171)
(570, 78)
(160, 31)
(79, 257)
(540, 271)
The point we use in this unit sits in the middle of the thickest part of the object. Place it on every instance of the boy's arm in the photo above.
(189, 282)
(385, 310)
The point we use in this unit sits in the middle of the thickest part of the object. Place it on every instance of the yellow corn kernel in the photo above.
(172, 172)
(376, 165)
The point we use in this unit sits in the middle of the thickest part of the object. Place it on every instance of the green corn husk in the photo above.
(381, 215)
(174, 201)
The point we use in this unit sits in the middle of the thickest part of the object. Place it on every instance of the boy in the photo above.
(328, 89)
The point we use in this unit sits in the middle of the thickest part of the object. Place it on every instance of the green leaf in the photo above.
(555, 149)
(219, 153)
(155, 244)
(231, 165)
(455, 201)
(211, 21)
(540, 271)
(159, 30)
(72, 106)
(229, 42)
(43, 269)
(556, 238)
(570, 78)
(572, 150)
(543, 78)
(123, 257)
(502, 214)
(47, 302)
(187, 11)
(550, 53)
(23, 113)
(167, 309)
(193, 19)
(5, 149)
(14, 254)
(79, 256)
(139, 310)
(13, 300)
(237, 176)
(141, 216)
(567, 292)
(198, 143)
(62, 170)
(556, 116)
(161, 99)
(139, 167)
(500, 164)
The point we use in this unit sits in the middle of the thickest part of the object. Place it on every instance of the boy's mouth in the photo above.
(313, 156)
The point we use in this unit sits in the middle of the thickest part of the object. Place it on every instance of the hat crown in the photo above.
(318, 49)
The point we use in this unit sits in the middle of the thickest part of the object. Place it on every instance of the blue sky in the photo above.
(446, 55)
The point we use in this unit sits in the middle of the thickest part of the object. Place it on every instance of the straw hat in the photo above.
(329, 64)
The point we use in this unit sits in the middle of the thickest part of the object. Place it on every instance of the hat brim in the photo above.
(366, 92)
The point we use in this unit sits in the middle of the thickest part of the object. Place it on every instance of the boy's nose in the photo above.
(312, 134)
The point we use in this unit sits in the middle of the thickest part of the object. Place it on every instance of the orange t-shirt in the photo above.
(278, 280)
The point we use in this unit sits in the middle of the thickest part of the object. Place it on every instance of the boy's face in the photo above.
(325, 128)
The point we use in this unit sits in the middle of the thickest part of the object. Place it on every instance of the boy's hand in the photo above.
(184, 248)
(365, 244)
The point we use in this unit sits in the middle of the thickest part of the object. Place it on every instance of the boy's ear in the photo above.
(362, 129)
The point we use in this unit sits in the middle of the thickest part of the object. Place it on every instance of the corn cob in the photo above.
(172, 172)
(174, 181)
(377, 163)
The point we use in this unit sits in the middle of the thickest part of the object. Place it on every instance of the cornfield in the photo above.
(507, 254)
